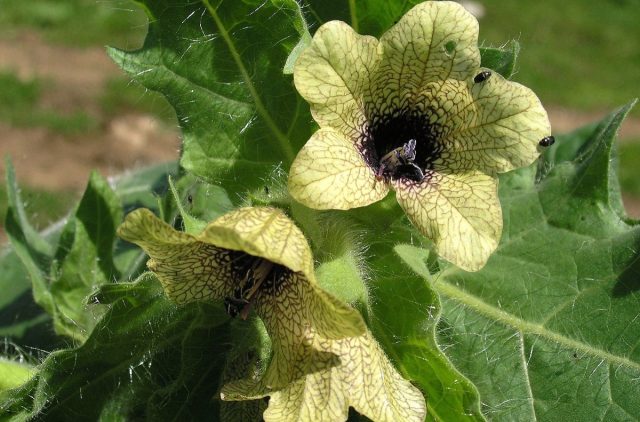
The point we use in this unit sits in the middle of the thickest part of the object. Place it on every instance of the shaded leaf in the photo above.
(83, 260)
(136, 363)
(372, 17)
(33, 240)
(367, 17)
(20, 318)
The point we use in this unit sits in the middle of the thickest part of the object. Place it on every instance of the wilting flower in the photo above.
(415, 112)
(256, 258)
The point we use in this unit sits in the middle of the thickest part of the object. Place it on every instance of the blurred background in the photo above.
(65, 108)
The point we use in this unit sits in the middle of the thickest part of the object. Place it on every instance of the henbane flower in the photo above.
(414, 112)
(256, 258)
(364, 379)
(250, 258)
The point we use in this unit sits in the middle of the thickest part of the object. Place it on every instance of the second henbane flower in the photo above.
(414, 112)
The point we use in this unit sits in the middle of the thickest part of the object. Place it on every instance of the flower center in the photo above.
(252, 275)
(401, 145)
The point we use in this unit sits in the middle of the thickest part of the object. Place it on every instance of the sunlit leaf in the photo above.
(220, 64)
(548, 329)
(13, 374)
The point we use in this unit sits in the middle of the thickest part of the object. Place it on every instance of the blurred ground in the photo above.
(66, 109)
(59, 161)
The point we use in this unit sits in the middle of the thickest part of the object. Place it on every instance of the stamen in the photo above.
(260, 271)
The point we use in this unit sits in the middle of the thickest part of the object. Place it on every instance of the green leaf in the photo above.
(370, 17)
(20, 318)
(548, 329)
(84, 258)
(220, 64)
(373, 17)
(202, 202)
(136, 363)
(502, 59)
(141, 188)
(404, 313)
(192, 225)
(34, 241)
(36, 264)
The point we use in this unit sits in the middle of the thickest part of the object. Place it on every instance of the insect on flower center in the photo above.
(253, 276)
(401, 145)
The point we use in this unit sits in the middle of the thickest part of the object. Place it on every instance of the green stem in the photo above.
(354, 16)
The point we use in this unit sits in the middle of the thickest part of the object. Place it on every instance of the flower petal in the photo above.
(434, 41)
(365, 380)
(459, 212)
(332, 74)
(330, 173)
(188, 269)
(263, 232)
(287, 316)
(494, 126)
(330, 317)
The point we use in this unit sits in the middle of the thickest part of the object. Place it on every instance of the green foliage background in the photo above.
(546, 331)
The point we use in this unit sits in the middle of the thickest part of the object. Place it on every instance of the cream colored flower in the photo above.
(324, 358)
(363, 379)
(251, 258)
(414, 112)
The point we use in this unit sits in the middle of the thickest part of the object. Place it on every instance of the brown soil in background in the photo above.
(55, 162)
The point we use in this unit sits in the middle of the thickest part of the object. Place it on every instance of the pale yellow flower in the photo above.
(324, 358)
(414, 112)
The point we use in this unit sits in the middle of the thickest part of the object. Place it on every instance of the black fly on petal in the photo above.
(482, 76)
(547, 141)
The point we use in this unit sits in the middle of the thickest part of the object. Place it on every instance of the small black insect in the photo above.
(400, 162)
(547, 141)
(482, 76)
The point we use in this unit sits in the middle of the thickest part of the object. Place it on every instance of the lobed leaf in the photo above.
(220, 64)
(548, 330)
(135, 364)
(21, 319)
